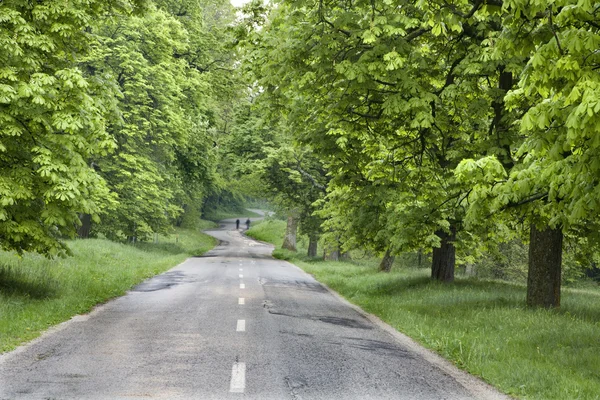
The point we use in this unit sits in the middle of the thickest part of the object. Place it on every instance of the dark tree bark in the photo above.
(387, 262)
(444, 257)
(313, 242)
(501, 122)
(86, 225)
(291, 229)
(593, 271)
(545, 260)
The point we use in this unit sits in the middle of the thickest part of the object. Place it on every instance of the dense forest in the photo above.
(112, 116)
(463, 130)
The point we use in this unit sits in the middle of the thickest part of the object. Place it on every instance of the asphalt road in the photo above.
(234, 323)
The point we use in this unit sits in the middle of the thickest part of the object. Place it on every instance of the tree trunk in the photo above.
(331, 254)
(502, 122)
(86, 225)
(387, 262)
(593, 271)
(313, 242)
(545, 259)
(419, 257)
(289, 241)
(444, 257)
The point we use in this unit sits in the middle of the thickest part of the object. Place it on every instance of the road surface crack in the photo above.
(295, 385)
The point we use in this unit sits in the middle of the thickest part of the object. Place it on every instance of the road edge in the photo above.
(473, 384)
(95, 309)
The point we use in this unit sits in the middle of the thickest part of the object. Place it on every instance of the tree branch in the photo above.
(311, 178)
(416, 33)
(530, 199)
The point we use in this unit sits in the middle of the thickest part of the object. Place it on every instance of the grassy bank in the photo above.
(269, 230)
(482, 326)
(36, 293)
(226, 213)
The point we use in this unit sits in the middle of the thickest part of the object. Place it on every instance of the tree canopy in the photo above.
(393, 125)
(108, 110)
(442, 121)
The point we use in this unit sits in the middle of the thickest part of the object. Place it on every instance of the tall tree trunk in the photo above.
(86, 225)
(387, 261)
(313, 242)
(444, 257)
(545, 260)
(291, 229)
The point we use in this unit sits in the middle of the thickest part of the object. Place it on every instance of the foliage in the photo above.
(270, 230)
(391, 102)
(110, 109)
(52, 120)
(241, 148)
(139, 53)
(556, 176)
(561, 83)
(164, 69)
(296, 181)
(434, 117)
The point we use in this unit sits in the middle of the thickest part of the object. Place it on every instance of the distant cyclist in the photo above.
(248, 223)
(237, 224)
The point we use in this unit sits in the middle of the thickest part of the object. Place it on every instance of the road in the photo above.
(232, 324)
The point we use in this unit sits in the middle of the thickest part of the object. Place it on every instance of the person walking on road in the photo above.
(237, 224)
(248, 223)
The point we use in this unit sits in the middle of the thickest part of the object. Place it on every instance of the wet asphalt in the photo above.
(179, 336)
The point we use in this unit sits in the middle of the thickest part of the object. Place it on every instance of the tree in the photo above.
(213, 86)
(164, 65)
(555, 183)
(138, 53)
(242, 148)
(52, 121)
(297, 182)
(394, 94)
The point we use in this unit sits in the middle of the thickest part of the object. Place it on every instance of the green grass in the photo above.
(36, 293)
(270, 230)
(482, 326)
(221, 214)
(204, 224)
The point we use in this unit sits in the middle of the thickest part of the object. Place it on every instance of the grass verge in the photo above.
(482, 326)
(36, 293)
(269, 230)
